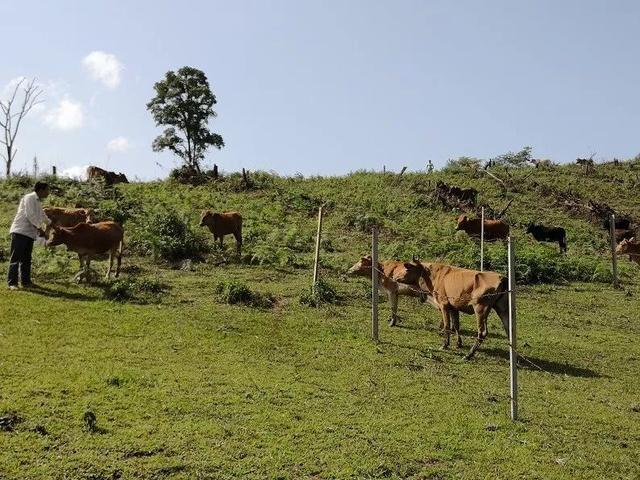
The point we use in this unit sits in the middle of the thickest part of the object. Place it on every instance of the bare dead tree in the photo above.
(12, 115)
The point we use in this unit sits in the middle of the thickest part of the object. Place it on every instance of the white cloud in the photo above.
(68, 115)
(79, 172)
(104, 67)
(118, 144)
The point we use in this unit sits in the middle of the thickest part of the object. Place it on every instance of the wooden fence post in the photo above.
(614, 258)
(513, 355)
(54, 170)
(374, 284)
(317, 257)
(482, 241)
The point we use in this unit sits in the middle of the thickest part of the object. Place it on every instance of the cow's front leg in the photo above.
(393, 300)
(80, 274)
(482, 312)
(446, 327)
(111, 254)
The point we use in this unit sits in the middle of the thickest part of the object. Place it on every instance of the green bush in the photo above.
(130, 289)
(236, 292)
(323, 293)
(164, 233)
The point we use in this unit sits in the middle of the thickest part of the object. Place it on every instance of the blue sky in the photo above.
(328, 87)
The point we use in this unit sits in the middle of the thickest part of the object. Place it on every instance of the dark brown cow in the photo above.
(623, 234)
(89, 240)
(221, 224)
(397, 278)
(67, 217)
(457, 290)
(109, 178)
(493, 229)
(629, 247)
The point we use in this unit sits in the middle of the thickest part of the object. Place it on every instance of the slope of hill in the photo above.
(190, 377)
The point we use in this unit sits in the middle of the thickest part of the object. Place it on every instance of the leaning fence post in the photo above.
(317, 257)
(374, 284)
(482, 241)
(614, 258)
(513, 355)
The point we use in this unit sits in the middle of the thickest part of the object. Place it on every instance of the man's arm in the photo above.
(35, 213)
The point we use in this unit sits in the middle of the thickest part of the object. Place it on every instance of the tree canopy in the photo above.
(184, 104)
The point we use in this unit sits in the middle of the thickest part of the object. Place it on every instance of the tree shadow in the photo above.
(548, 366)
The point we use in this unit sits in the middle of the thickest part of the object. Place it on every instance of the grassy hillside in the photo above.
(185, 385)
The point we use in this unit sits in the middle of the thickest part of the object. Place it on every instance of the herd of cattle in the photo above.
(449, 289)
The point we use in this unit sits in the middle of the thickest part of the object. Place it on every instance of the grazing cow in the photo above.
(221, 224)
(456, 290)
(89, 240)
(67, 217)
(549, 234)
(109, 178)
(629, 247)
(462, 194)
(542, 163)
(397, 278)
(493, 229)
(587, 164)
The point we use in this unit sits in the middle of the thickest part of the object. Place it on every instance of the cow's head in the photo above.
(462, 222)
(121, 178)
(625, 245)
(90, 215)
(362, 268)
(530, 227)
(57, 236)
(208, 218)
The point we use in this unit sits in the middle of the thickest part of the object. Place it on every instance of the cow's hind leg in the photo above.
(482, 312)
(119, 259)
(455, 325)
(238, 237)
(111, 255)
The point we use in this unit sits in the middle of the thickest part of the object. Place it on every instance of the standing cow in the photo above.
(221, 224)
(394, 278)
(67, 217)
(456, 290)
(109, 178)
(89, 240)
(549, 234)
(493, 229)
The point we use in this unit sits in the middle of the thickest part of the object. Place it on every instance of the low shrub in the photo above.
(236, 292)
(143, 290)
(323, 293)
(166, 234)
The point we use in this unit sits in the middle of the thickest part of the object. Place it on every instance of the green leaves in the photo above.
(184, 102)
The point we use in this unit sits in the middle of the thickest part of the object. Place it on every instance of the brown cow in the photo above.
(398, 278)
(221, 224)
(629, 247)
(457, 290)
(109, 178)
(89, 240)
(623, 234)
(493, 229)
(67, 217)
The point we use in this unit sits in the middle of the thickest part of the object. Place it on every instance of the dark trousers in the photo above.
(20, 260)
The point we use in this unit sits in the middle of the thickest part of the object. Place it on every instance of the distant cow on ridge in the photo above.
(110, 178)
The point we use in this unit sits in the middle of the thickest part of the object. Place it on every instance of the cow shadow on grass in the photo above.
(80, 296)
(549, 366)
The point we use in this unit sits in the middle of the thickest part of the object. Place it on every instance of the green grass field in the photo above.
(186, 386)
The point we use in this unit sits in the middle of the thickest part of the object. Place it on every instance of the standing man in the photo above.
(25, 228)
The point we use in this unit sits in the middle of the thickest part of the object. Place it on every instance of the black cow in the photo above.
(549, 234)
(620, 224)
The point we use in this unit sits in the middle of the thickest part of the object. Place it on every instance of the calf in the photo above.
(493, 229)
(89, 240)
(629, 247)
(549, 234)
(456, 290)
(394, 278)
(221, 224)
(67, 217)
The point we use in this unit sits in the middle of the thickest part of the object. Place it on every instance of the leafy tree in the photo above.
(184, 103)
(512, 159)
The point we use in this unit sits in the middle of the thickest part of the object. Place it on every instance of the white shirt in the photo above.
(30, 216)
